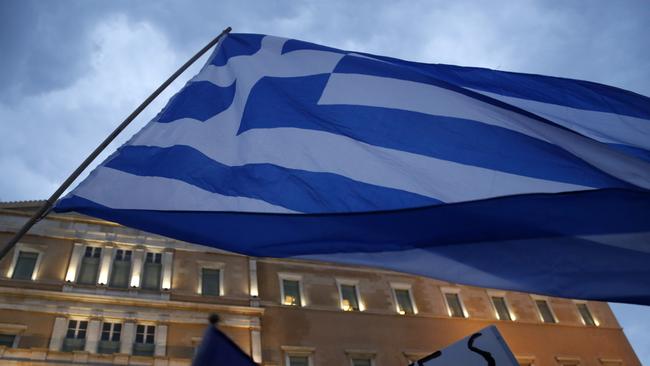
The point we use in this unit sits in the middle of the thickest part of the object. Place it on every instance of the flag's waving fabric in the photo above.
(284, 148)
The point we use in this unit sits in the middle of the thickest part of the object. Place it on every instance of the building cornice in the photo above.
(62, 302)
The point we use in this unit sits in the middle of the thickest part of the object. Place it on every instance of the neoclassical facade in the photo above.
(79, 290)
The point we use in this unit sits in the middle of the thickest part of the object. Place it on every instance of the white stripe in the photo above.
(602, 126)
(318, 151)
(119, 190)
(383, 92)
(355, 89)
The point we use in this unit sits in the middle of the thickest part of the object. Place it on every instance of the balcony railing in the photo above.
(143, 349)
(73, 344)
(108, 347)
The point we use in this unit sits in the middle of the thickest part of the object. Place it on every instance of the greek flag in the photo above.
(284, 148)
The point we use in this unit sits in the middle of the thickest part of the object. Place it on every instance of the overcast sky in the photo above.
(70, 71)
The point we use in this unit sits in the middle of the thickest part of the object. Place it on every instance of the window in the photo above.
(75, 337)
(587, 318)
(152, 271)
(298, 360)
(454, 306)
(404, 301)
(291, 290)
(110, 339)
(349, 297)
(501, 307)
(210, 282)
(7, 340)
(121, 269)
(361, 362)
(89, 266)
(545, 312)
(144, 340)
(25, 265)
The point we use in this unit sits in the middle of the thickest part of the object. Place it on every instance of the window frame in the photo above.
(112, 267)
(135, 343)
(111, 333)
(301, 292)
(350, 282)
(353, 354)
(76, 331)
(526, 360)
(81, 263)
(456, 291)
(539, 312)
(568, 361)
(407, 287)
(492, 295)
(15, 330)
(211, 265)
(593, 317)
(155, 254)
(30, 248)
(298, 351)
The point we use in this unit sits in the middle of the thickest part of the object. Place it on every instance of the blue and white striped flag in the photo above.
(284, 148)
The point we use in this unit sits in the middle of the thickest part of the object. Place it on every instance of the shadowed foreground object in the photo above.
(218, 350)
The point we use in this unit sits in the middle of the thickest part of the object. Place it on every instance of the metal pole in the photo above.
(47, 206)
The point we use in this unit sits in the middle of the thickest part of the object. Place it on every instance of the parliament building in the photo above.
(78, 290)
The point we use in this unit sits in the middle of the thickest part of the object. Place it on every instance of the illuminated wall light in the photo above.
(252, 274)
(290, 300)
(254, 290)
(136, 267)
(596, 322)
(75, 261)
(167, 270)
(135, 281)
(105, 265)
(166, 285)
(70, 276)
(345, 305)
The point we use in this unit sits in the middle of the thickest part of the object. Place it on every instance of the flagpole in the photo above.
(47, 206)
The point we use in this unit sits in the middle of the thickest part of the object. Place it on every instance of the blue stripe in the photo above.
(292, 102)
(294, 189)
(582, 269)
(198, 100)
(480, 231)
(547, 89)
(572, 93)
(636, 152)
(236, 44)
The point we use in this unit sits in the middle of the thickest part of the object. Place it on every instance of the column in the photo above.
(92, 336)
(75, 262)
(252, 275)
(256, 345)
(136, 269)
(127, 338)
(167, 263)
(58, 333)
(161, 340)
(105, 265)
